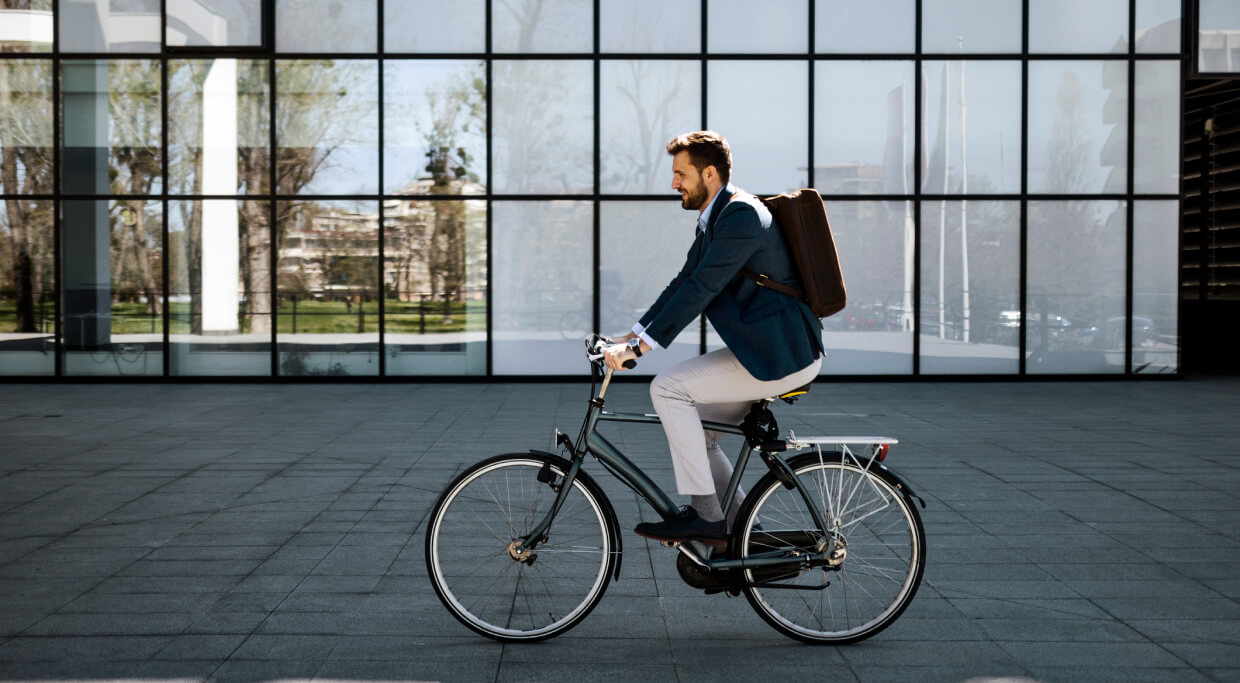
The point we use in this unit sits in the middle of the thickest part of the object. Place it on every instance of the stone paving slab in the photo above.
(1077, 531)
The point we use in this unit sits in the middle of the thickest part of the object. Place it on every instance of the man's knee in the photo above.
(663, 387)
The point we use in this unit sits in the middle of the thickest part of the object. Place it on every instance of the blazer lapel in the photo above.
(725, 195)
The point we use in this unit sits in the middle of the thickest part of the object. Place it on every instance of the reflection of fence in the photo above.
(422, 312)
(318, 311)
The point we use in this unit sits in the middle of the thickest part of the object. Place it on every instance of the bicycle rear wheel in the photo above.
(472, 557)
(876, 577)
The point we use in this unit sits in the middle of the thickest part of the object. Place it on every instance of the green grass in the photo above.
(313, 317)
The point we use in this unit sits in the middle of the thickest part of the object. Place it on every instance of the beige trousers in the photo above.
(717, 388)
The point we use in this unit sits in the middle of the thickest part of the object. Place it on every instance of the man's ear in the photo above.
(710, 173)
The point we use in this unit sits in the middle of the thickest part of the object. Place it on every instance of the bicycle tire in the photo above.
(491, 505)
(879, 575)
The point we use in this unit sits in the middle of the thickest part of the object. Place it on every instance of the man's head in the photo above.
(701, 164)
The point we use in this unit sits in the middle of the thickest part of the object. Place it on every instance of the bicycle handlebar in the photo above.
(596, 347)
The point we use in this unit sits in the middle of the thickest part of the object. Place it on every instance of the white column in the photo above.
(220, 250)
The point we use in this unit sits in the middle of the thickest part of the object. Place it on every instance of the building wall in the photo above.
(418, 188)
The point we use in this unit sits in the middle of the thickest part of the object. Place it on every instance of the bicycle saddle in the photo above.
(790, 397)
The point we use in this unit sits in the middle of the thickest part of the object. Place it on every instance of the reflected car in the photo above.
(1052, 320)
(1109, 334)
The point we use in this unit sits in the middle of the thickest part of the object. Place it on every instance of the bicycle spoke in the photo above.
(495, 587)
(874, 527)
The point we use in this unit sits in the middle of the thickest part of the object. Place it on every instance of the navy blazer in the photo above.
(773, 335)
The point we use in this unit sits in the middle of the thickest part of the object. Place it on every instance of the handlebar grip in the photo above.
(630, 364)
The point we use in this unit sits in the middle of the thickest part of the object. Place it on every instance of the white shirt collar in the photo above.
(704, 217)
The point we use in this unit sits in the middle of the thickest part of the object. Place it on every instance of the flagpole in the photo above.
(964, 204)
(943, 203)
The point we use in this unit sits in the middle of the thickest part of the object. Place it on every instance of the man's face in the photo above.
(688, 182)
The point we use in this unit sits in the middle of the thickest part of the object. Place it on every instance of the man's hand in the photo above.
(615, 355)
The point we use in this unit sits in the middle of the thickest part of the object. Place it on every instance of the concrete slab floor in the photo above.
(1077, 531)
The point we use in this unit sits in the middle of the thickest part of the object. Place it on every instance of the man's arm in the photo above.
(737, 235)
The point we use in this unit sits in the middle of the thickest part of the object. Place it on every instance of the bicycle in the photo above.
(827, 547)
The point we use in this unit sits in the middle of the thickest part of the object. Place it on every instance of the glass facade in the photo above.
(410, 188)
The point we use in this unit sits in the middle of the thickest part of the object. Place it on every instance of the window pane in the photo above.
(1218, 42)
(735, 26)
(1075, 26)
(26, 127)
(650, 26)
(1158, 26)
(218, 127)
(326, 26)
(1075, 290)
(877, 26)
(113, 289)
(863, 127)
(970, 26)
(26, 25)
(434, 26)
(1156, 149)
(871, 336)
(1155, 270)
(970, 297)
(434, 117)
(1077, 126)
(215, 23)
(435, 284)
(643, 105)
(27, 290)
(219, 287)
(981, 98)
(542, 26)
(769, 150)
(542, 282)
(644, 244)
(110, 26)
(328, 283)
(112, 127)
(544, 127)
(327, 124)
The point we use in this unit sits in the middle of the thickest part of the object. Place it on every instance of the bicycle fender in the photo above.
(901, 484)
(608, 510)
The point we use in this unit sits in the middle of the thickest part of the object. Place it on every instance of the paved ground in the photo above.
(1077, 531)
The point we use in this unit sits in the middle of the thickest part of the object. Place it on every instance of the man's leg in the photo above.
(715, 378)
(720, 464)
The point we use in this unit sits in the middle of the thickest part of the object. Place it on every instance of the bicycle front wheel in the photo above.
(871, 579)
(482, 577)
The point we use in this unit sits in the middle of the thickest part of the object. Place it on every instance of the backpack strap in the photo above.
(762, 280)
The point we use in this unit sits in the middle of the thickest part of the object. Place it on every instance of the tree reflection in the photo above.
(26, 169)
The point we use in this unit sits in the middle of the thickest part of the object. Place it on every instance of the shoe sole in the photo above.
(717, 542)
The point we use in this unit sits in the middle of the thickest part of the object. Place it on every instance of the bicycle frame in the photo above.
(591, 442)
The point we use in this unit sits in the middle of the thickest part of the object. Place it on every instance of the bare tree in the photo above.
(455, 111)
(134, 104)
(26, 168)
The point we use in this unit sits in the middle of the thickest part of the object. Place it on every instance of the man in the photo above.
(774, 342)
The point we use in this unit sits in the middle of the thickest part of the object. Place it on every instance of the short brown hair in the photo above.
(705, 148)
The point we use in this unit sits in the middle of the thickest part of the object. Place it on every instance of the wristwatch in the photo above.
(636, 345)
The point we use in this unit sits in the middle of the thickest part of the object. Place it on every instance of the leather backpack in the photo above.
(802, 219)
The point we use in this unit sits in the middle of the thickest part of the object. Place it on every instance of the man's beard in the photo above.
(695, 199)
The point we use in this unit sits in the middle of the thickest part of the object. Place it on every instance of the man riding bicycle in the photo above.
(773, 341)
